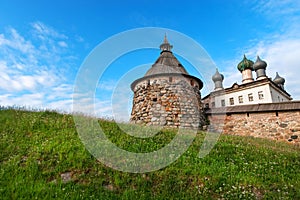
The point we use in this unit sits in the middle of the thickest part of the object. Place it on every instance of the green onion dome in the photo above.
(245, 64)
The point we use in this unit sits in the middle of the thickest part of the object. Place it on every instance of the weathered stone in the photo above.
(294, 137)
(295, 129)
(159, 103)
(283, 125)
(259, 124)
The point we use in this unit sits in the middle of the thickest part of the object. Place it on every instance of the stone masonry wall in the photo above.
(169, 103)
(281, 125)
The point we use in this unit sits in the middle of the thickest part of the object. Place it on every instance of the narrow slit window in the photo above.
(260, 95)
(223, 102)
(213, 104)
(231, 101)
(250, 97)
(192, 83)
(241, 99)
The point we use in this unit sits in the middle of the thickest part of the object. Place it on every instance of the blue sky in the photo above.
(44, 43)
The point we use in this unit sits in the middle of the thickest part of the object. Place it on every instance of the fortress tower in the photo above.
(167, 95)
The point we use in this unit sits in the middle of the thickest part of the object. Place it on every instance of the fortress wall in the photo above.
(277, 125)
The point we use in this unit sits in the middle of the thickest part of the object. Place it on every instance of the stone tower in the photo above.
(167, 95)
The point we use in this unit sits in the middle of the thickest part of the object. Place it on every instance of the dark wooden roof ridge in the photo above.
(264, 107)
(133, 84)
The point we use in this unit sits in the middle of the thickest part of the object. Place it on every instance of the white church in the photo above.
(250, 91)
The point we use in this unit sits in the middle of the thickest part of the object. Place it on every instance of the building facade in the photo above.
(261, 90)
(256, 108)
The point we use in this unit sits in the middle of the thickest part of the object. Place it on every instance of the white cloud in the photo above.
(62, 44)
(44, 31)
(107, 85)
(281, 55)
(31, 68)
(16, 41)
(36, 100)
(280, 49)
(275, 7)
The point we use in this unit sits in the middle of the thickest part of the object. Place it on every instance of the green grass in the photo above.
(38, 148)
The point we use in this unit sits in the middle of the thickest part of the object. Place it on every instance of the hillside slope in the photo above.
(42, 157)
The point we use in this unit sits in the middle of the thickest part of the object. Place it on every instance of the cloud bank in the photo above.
(280, 49)
(33, 68)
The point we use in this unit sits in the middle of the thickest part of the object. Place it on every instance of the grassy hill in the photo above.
(42, 157)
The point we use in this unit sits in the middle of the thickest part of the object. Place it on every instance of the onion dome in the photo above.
(259, 64)
(217, 76)
(245, 64)
(279, 80)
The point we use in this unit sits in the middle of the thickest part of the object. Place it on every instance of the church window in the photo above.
(192, 83)
(250, 97)
(231, 101)
(260, 95)
(223, 102)
(241, 99)
(213, 104)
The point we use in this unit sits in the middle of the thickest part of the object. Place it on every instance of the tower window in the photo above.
(241, 99)
(192, 83)
(213, 104)
(260, 95)
(250, 97)
(231, 101)
(223, 102)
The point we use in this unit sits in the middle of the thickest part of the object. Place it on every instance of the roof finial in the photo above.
(165, 46)
(165, 38)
